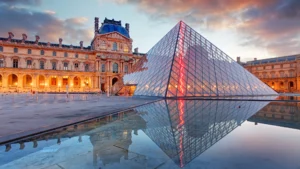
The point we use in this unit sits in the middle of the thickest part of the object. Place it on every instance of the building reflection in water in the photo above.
(283, 114)
(184, 129)
(110, 136)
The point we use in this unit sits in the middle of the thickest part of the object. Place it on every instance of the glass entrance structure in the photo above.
(185, 64)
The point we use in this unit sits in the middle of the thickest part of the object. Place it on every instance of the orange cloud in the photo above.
(259, 22)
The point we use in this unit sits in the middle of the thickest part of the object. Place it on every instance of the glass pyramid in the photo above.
(183, 63)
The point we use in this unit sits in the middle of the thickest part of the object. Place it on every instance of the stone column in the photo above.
(5, 81)
(20, 81)
(107, 66)
(122, 67)
(34, 81)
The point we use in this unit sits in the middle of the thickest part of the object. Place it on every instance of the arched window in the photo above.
(126, 69)
(42, 52)
(115, 68)
(115, 46)
(1, 48)
(15, 50)
(103, 67)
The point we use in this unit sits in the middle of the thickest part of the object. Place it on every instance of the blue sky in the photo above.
(239, 28)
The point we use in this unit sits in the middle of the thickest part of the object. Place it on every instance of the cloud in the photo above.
(50, 12)
(44, 24)
(259, 23)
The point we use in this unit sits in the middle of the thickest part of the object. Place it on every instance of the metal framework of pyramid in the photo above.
(184, 64)
(184, 129)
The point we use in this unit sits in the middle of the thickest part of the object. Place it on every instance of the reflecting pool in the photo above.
(170, 134)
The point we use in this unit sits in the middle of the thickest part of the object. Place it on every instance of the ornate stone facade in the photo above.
(281, 73)
(49, 67)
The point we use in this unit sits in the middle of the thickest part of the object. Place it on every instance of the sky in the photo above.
(246, 28)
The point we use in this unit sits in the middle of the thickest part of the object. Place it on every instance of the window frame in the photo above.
(16, 50)
(15, 63)
(42, 67)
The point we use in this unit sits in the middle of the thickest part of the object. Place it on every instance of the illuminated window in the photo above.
(126, 49)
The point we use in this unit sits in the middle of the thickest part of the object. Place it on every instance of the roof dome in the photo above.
(107, 28)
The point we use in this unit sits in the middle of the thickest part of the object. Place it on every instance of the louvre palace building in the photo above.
(280, 73)
(27, 65)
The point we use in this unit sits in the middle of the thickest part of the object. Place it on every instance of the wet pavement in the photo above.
(25, 114)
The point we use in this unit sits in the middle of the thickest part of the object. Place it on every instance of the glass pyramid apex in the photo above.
(185, 64)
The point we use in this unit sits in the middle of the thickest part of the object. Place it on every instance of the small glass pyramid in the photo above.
(185, 64)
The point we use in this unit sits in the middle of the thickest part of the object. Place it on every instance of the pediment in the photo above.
(115, 35)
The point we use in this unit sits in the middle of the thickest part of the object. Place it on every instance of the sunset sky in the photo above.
(246, 28)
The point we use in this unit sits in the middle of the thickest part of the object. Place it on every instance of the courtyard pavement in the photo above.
(25, 114)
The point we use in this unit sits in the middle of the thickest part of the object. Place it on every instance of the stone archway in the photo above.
(12, 80)
(53, 81)
(27, 81)
(76, 82)
(41, 81)
(114, 81)
(291, 86)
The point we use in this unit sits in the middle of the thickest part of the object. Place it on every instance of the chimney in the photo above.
(10, 36)
(238, 59)
(255, 59)
(127, 27)
(60, 41)
(136, 50)
(96, 25)
(24, 37)
(81, 44)
(37, 38)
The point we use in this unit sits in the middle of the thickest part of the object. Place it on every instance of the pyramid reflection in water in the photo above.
(183, 63)
(184, 129)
